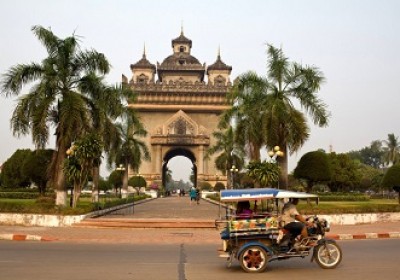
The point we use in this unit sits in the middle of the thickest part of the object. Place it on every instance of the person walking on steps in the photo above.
(192, 195)
(198, 195)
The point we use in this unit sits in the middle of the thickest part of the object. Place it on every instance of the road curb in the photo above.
(388, 235)
(371, 235)
(25, 237)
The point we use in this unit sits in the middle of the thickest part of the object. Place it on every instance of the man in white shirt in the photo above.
(294, 222)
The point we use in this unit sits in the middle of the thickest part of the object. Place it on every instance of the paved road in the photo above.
(364, 260)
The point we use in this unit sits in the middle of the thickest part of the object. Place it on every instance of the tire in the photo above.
(328, 255)
(253, 259)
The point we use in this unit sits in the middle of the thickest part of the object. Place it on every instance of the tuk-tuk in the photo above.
(257, 238)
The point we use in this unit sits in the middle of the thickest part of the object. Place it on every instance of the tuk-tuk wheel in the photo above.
(253, 259)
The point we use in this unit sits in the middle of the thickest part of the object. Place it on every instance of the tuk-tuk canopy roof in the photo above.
(261, 193)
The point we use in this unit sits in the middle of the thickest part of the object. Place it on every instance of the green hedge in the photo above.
(2, 189)
(46, 205)
(343, 197)
(19, 195)
(338, 208)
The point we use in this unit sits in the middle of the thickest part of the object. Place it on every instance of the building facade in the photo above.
(179, 102)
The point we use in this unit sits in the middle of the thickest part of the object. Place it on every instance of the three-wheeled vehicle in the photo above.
(259, 238)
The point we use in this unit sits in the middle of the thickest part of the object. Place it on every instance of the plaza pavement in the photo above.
(170, 220)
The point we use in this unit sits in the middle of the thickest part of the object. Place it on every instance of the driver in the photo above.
(290, 216)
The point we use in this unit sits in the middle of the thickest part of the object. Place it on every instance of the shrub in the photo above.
(313, 167)
(392, 177)
(343, 197)
(205, 186)
(219, 186)
(19, 195)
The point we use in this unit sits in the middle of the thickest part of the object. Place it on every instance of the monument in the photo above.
(179, 102)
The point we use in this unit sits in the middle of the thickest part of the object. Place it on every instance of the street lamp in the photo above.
(233, 171)
(272, 156)
(121, 168)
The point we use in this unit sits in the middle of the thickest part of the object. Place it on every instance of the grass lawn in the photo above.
(85, 205)
(341, 207)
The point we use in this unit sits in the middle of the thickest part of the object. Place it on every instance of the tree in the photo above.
(248, 94)
(132, 150)
(36, 168)
(104, 185)
(115, 179)
(344, 173)
(58, 99)
(12, 173)
(108, 105)
(82, 157)
(313, 167)
(372, 155)
(229, 153)
(137, 182)
(391, 177)
(286, 126)
(371, 178)
(264, 173)
(266, 106)
(392, 150)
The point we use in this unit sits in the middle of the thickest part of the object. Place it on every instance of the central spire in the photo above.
(181, 27)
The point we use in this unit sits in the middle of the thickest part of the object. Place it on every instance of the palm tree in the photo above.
(132, 148)
(248, 93)
(229, 153)
(279, 122)
(107, 104)
(57, 99)
(285, 125)
(392, 149)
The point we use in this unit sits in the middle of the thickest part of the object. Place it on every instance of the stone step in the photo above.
(146, 223)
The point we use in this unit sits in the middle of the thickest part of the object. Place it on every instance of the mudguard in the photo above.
(254, 243)
(322, 242)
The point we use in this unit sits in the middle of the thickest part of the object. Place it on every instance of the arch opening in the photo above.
(178, 152)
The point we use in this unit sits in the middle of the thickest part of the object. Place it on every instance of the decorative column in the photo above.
(200, 160)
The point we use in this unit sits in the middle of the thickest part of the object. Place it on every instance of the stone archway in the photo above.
(180, 110)
(178, 152)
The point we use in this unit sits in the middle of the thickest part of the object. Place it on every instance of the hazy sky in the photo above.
(356, 44)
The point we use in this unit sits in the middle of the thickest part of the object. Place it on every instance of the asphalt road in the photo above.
(363, 259)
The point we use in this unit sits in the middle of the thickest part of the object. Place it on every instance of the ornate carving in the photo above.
(219, 81)
(181, 124)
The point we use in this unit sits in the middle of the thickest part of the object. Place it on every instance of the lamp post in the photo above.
(122, 169)
(139, 183)
(233, 171)
(272, 156)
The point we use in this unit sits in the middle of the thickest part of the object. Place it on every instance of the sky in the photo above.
(355, 43)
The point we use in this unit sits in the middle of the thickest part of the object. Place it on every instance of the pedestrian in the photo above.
(192, 195)
(198, 195)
